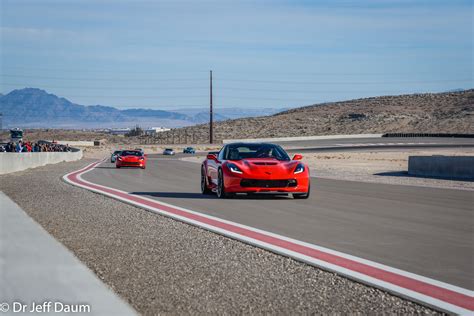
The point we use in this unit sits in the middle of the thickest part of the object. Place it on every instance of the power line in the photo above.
(198, 88)
(243, 80)
(87, 70)
(286, 73)
(134, 96)
(218, 97)
(293, 73)
(102, 88)
(266, 99)
(171, 110)
(98, 79)
(344, 82)
(230, 97)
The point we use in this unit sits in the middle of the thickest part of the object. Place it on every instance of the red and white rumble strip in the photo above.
(430, 292)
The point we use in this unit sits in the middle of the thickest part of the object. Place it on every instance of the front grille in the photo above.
(255, 183)
(131, 163)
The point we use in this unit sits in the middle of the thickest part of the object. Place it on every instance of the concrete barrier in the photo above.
(37, 268)
(300, 138)
(12, 162)
(452, 167)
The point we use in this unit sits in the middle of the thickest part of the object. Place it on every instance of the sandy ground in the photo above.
(376, 166)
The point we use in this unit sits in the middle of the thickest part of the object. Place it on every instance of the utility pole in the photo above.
(210, 110)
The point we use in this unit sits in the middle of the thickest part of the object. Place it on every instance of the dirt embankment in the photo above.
(417, 113)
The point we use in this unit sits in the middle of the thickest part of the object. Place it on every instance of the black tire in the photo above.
(117, 167)
(299, 196)
(204, 187)
(221, 193)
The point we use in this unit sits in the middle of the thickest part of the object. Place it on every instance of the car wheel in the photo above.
(204, 188)
(118, 167)
(221, 193)
(302, 195)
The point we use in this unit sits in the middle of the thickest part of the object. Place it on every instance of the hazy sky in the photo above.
(157, 54)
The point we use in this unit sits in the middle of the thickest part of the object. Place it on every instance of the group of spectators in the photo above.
(34, 147)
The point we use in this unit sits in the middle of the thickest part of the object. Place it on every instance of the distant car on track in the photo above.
(189, 150)
(168, 152)
(131, 158)
(254, 168)
(114, 155)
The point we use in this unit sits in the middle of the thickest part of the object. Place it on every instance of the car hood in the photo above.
(266, 168)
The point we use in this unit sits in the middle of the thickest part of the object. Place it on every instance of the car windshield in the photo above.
(169, 149)
(131, 153)
(243, 151)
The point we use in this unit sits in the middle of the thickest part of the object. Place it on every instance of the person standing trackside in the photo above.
(19, 147)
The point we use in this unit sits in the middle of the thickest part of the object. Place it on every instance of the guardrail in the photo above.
(12, 162)
(428, 135)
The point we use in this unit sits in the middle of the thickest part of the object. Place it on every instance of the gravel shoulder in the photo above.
(162, 266)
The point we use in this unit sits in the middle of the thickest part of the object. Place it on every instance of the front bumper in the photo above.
(139, 164)
(236, 183)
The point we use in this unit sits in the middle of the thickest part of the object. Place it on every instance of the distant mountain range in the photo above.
(31, 107)
(201, 115)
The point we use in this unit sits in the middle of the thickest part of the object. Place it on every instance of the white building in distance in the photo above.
(119, 131)
(155, 130)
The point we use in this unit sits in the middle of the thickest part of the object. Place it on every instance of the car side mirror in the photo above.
(297, 157)
(211, 157)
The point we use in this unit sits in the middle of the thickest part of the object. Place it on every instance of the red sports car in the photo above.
(131, 158)
(254, 168)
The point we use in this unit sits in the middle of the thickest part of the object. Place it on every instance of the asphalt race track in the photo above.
(422, 230)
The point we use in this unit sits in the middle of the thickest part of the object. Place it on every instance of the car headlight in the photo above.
(119, 158)
(233, 168)
(299, 168)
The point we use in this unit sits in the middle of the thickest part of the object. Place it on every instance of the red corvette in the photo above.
(254, 168)
(131, 158)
